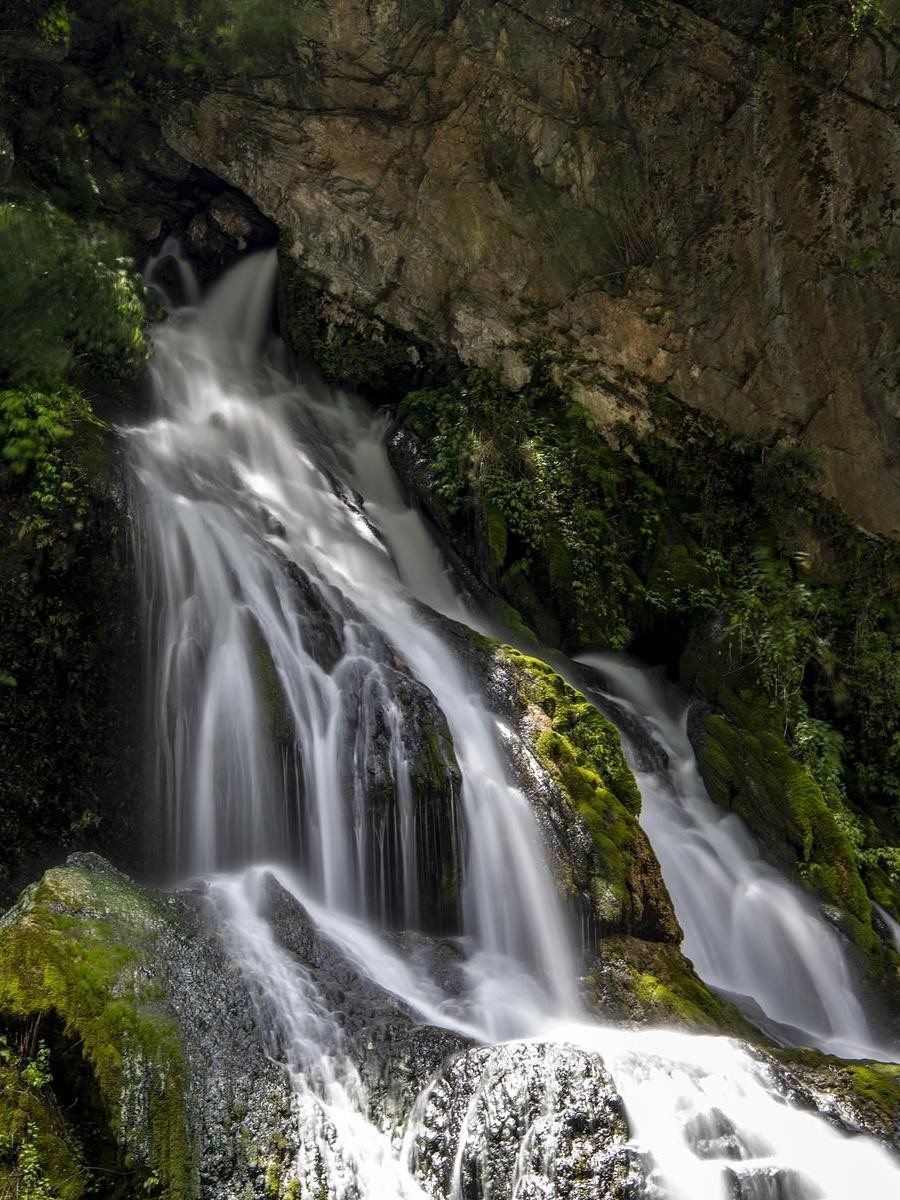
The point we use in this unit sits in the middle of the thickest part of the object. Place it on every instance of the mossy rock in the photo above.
(78, 949)
(653, 983)
(869, 1090)
(582, 753)
(753, 774)
(748, 769)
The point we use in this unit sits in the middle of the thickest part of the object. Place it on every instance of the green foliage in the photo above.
(71, 308)
(155, 45)
(55, 24)
(797, 27)
(36, 1071)
(683, 527)
(71, 316)
(39, 1157)
(172, 46)
(771, 616)
(34, 429)
(560, 516)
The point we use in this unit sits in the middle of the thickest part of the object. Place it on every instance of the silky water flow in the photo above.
(748, 931)
(296, 667)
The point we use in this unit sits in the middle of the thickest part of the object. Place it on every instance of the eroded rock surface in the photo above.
(684, 202)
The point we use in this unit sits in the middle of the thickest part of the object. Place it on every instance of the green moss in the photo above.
(271, 693)
(272, 1186)
(879, 1083)
(653, 982)
(581, 749)
(591, 740)
(872, 1089)
(80, 945)
(749, 770)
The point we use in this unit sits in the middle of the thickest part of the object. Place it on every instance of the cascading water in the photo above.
(747, 930)
(308, 712)
(892, 926)
(264, 574)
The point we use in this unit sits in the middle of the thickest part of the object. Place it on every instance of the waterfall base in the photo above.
(344, 1088)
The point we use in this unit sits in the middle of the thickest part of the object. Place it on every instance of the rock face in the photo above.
(178, 1050)
(691, 204)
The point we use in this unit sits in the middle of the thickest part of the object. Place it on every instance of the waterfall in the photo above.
(311, 721)
(268, 585)
(748, 931)
(892, 926)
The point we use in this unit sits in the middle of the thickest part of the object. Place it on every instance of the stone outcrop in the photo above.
(682, 202)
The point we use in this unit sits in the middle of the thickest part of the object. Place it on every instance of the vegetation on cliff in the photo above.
(71, 337)
(666, 535)
(675, 536)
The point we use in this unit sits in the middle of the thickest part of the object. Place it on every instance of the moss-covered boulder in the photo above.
(618, 880)
(139, 1055)
(748, 768)
(77, 969)
(751, 772)
(653, 983)
(860, 1095)
(804, 828)
(131, 1060)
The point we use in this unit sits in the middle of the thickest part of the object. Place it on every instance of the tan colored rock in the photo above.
(661, 193)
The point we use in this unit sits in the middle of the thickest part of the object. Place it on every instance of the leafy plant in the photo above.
(527, 468)
(71, 306)
(34, 428)
(36, 1072)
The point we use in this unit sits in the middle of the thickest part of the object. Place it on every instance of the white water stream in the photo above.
(284, 582)
(747, 929)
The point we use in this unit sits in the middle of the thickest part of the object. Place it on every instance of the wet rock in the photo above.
(136, 990)
(7, 156)
(528, 1120)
